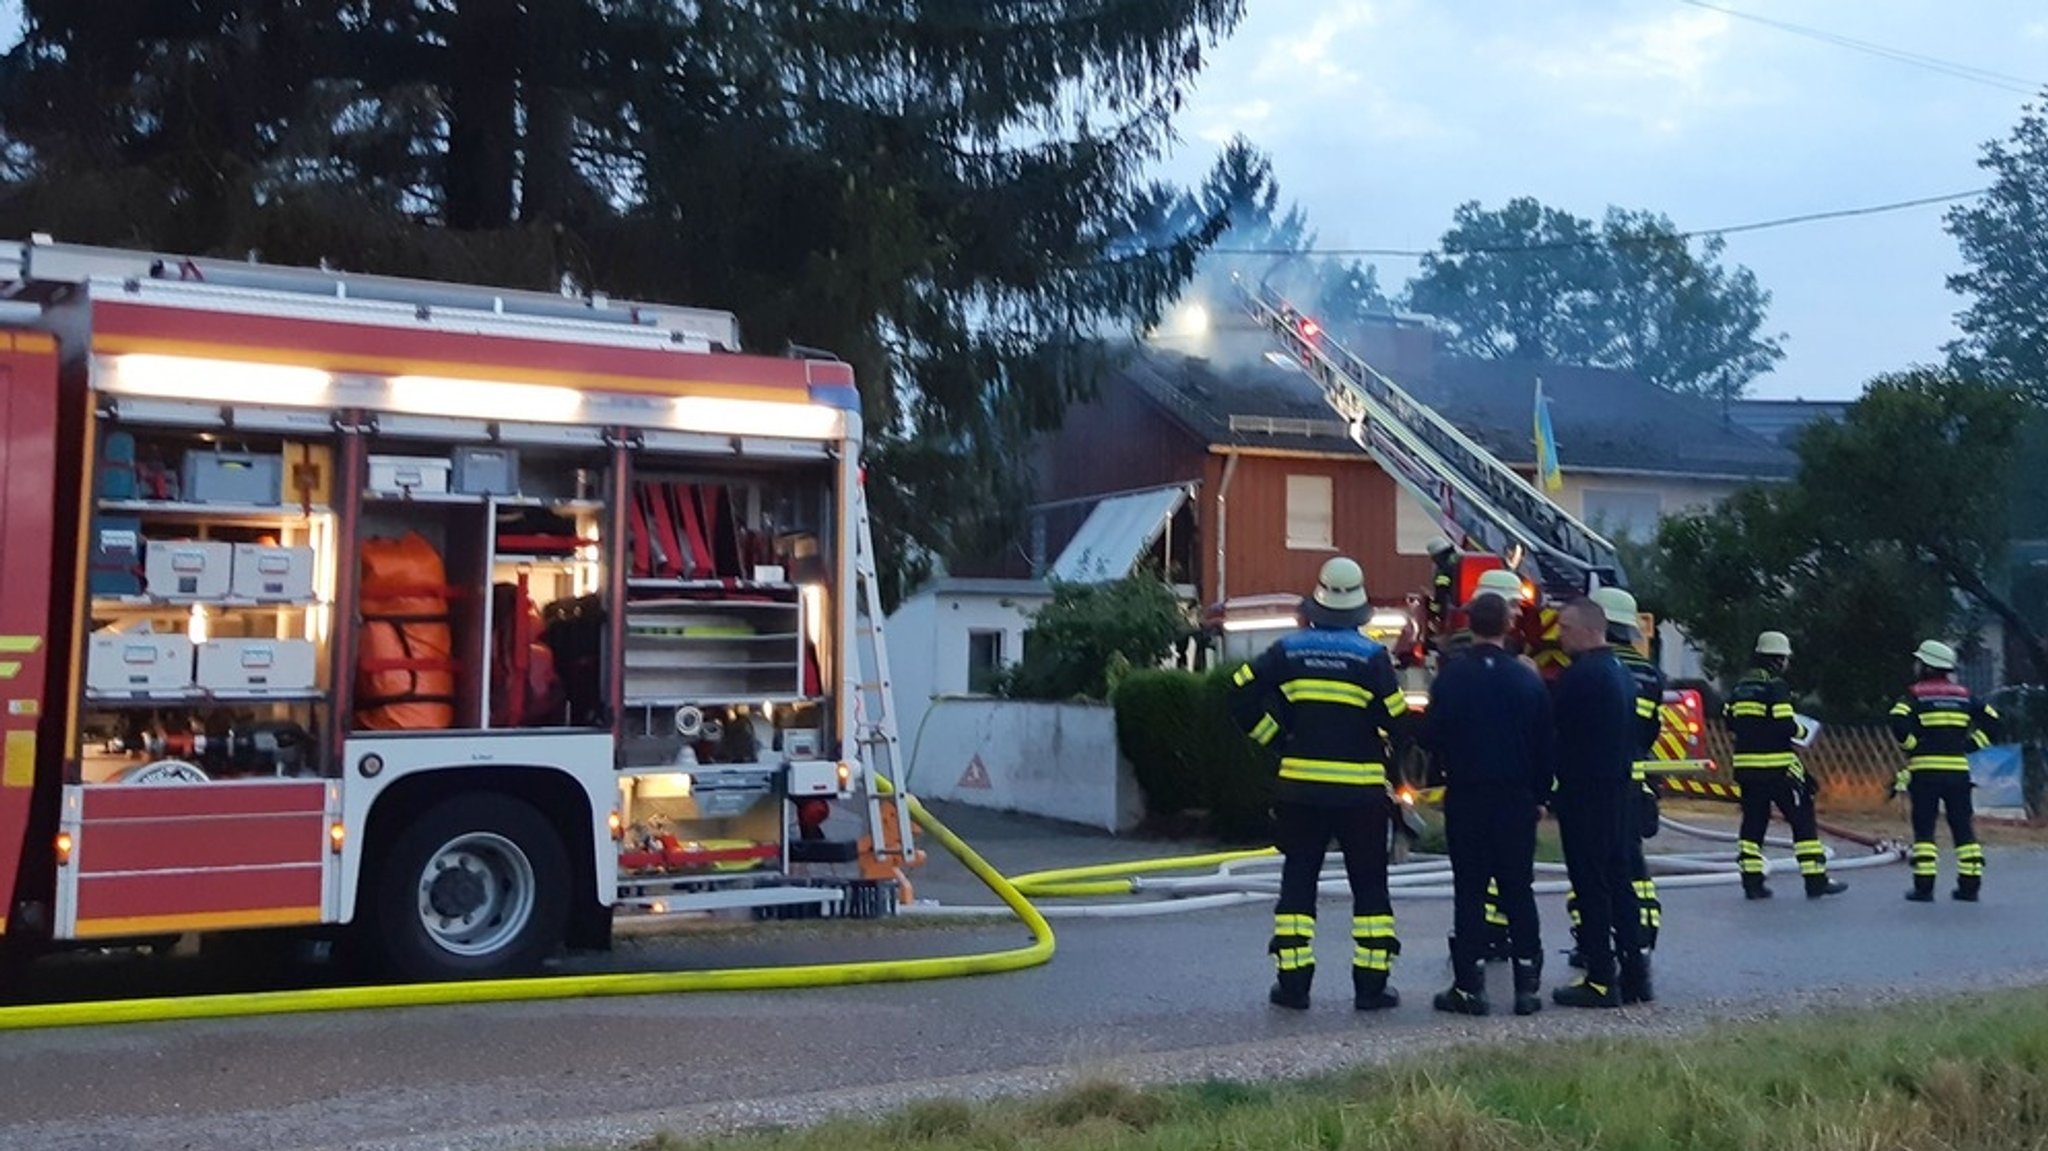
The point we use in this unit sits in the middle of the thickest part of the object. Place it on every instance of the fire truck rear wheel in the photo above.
(475, 887)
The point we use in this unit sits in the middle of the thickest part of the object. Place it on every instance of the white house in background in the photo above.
(951, 636)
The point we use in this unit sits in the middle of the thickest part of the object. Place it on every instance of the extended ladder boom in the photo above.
(1467, 487)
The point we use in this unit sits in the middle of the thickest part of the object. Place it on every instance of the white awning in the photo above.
(1116, 533)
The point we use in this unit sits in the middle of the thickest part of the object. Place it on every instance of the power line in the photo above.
(1604, 241)
(1985, 76)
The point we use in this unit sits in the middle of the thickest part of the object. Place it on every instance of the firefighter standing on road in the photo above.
(1327, 697)
(1767, 770)
(1622, 632)
(1489, 723)
(1939, 724)
(1595, 713)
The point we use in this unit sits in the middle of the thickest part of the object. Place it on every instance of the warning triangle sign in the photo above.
(976, 775)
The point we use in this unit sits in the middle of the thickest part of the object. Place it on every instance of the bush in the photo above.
(1175, 728)
(1090, 633)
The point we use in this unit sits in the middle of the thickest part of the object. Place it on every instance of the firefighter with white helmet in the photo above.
(1767, 769)
(1327, 699)
(1443, 588)
(1939, 723)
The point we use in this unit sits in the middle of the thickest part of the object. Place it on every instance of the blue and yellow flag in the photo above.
(1546, 444)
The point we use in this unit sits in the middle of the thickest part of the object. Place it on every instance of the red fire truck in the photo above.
(443, 619)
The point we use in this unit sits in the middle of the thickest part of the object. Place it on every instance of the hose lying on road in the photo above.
(1235, 879)
(1038, 951)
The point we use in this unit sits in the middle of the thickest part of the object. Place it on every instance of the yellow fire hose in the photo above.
(222, 1006)
(1074, 882)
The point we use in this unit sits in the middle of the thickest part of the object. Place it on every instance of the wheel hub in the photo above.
(476, 894)
(456, 892)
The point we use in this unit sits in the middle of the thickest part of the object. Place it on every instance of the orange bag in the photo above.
(405, 668)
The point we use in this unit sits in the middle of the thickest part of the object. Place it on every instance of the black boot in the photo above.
(1923, 890)
(1528, 986)
(1819, 885)
(1467, 993)
(1370, 991)
(1290, 989)
(1635, 978)
(1753, 887)
(1967, 887)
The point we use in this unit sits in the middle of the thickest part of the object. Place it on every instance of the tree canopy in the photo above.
(940, 194)
(1530, 282)
(2004, 242)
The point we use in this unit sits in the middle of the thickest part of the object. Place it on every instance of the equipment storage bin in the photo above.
(232, 478)
(115, 566)
(143, 663)
(491, 471)
(408, 475)
(256, 666)
(272, 573)
(188, 569)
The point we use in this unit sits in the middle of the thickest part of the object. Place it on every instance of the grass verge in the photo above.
(1967, 1072)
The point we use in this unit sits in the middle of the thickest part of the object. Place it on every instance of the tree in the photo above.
(1921, 462)
(1530, 282)
(1077, 642)
(2004, 240)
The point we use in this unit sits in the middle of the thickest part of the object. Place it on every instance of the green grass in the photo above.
(1963, 1073)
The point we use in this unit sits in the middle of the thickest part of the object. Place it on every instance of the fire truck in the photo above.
(448, 621)
(1494, 517)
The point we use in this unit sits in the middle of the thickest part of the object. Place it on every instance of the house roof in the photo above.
(1604, 420)
(1781, 421)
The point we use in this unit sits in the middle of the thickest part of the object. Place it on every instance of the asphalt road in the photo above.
(1145, 998)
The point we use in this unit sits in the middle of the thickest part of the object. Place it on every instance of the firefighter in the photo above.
(1443, 582)
(1939, 724)
(1622, 633)
(1767, 770)
(1507, 586)
(1489, 725)
(1594, 707)
(1327, 699)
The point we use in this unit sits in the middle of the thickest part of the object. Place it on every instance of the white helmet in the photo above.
(1937, 655)
(1619, 605)
(1438, 545)
(1340, 586)
(1773, 643)
(1501, 582)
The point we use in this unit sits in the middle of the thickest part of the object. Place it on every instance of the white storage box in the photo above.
(139, 663)
(256, 666)
(188, 569)
(273, 573)
(408, 475)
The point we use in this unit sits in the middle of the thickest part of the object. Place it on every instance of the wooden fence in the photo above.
(1853, 764)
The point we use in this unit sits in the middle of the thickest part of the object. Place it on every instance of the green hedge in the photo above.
(1175, 728)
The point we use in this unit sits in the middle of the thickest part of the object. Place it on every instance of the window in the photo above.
(984, 660)
(1623, 512)
(1309, 521)
(1414, 525)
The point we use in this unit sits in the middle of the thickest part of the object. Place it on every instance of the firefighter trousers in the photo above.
(1649, 906)
(1491, 833)
(1303, 833)
(1762, 789)
(1597, 829)
(1934, 793)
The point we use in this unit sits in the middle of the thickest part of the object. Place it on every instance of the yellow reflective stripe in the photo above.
(1243, 675)
(1372, 959)
(1781, 711)
(9, 668)
(1944, 719)
(1980, 739)
(1645, 708)
(1912, 741)
(1938, 763)
(1302, 925)
(1367, 925)
(1766, 759)
(1265, 729)
(1744, 708)
(1397, 704)
(1990, 712)
(20, 644)
(1294, 958)
(1902, 709)
(1332, 771)
(1325, 691)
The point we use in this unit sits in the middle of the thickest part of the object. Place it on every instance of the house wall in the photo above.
(1056, 760)
(1256, 556)
(928, 636)
(1585, 496)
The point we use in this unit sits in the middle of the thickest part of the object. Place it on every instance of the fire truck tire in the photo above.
(474, 887)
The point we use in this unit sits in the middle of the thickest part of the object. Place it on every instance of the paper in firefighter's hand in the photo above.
(1809, 730)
